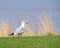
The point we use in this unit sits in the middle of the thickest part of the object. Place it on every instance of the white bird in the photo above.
(20, 29)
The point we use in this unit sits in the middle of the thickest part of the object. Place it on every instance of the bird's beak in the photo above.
(26, 23)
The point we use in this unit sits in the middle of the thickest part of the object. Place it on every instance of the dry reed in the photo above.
(46, 24)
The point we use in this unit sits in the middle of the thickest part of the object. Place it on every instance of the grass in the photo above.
(30, 42)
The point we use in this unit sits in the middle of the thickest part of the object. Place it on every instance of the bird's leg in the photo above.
(18, 35)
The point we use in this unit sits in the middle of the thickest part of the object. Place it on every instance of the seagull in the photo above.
(20, 30)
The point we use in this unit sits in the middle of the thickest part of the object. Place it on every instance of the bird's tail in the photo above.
(11, 34)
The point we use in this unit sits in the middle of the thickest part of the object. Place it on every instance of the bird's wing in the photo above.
(20, 30)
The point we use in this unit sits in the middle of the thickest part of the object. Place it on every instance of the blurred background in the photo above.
(14, 11)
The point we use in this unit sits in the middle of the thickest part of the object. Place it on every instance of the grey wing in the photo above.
(18, 30)
(22, 30)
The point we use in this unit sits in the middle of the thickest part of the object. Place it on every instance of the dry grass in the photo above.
(45, 28)
(46, 24)
(5, 30)
(35, 30)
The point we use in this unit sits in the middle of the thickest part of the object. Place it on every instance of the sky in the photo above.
(14, 10)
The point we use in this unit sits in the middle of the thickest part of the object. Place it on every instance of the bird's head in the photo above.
(23, 22)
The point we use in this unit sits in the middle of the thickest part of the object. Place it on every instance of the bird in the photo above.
(20, 30)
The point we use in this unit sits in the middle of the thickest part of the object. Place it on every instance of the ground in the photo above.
(30, 42)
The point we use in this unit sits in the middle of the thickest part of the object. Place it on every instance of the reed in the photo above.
(5, 29)
(46, 27)
(46, 24)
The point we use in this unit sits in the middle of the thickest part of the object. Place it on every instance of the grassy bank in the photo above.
(30, 42)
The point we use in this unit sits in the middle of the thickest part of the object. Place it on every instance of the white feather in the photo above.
(20, 29)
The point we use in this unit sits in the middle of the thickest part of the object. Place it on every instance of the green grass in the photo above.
(30, 42)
